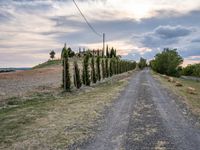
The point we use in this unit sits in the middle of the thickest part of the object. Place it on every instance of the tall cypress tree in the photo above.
(93, 72)
(62, 59)
(103, 68)
(114, 66)
(112, 52)
(107, 52)
(98, 68)
(111, 67)
(67, 82)
(98, 54)
(107, 68)
(117, 66)
(102, 53)
(86, 75)
(77, 78)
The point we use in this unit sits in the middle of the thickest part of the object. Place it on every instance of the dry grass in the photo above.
(49, 121)
(192, 100)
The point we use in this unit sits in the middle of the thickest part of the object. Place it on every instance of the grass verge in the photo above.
(46, 121)
(191, 100)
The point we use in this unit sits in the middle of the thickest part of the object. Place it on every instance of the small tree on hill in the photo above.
(52, 54)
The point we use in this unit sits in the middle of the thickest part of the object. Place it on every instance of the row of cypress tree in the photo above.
(94, 69)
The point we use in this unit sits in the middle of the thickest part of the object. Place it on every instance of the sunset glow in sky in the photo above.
(29, 29)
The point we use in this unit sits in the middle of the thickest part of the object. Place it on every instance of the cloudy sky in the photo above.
(29, 29)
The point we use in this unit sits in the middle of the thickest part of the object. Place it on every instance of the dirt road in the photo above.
(146, 117)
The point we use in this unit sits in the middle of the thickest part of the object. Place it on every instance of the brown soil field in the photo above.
(19, 83)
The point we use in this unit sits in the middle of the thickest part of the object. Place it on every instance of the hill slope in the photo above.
(48, 64)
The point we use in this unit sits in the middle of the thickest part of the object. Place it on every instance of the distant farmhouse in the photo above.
(91, 52)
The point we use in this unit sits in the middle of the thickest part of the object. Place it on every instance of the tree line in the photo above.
(94, 68)
(191, 70)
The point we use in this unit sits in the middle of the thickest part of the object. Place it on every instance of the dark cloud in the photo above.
(167, 32)
(5, 16)
(152, 40)
(189, 19)
(163, 36)
(197, 40)
(67, 21)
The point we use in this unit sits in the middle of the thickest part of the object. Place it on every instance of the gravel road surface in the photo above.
(145, 117)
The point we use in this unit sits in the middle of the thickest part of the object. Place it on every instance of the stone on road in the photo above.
(145, 117)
